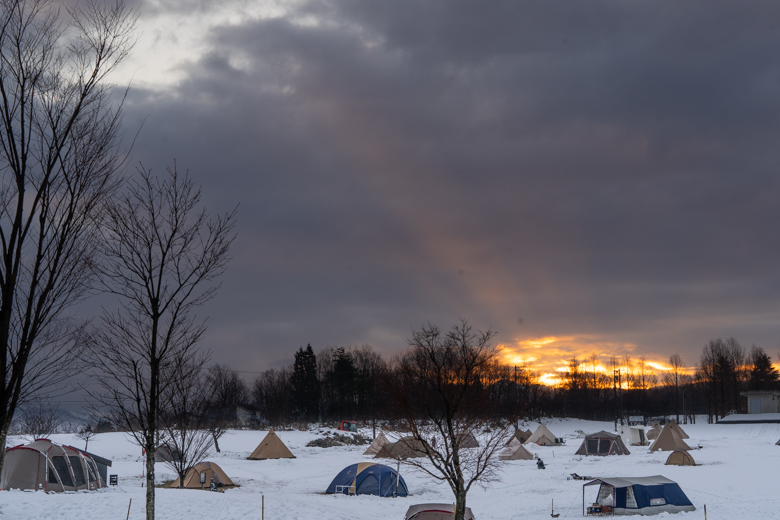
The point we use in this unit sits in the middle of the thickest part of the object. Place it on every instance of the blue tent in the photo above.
(638, 496)
(368, 478)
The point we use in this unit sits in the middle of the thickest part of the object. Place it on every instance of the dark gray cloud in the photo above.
(601, 168)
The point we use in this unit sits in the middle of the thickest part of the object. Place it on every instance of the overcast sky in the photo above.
(600, 173)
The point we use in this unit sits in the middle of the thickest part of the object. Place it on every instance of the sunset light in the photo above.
(550, 356)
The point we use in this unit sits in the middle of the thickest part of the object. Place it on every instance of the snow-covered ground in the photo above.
(737, 479)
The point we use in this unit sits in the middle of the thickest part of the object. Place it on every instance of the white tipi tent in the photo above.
(543, 437)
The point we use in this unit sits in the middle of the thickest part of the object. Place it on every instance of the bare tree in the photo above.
(226, 390)
(183, 422)
(59, 160)
(441, 388)
(164, 255)
(40, 419)
(86, 433)
(673, 378)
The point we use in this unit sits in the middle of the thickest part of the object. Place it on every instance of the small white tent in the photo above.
(633, 436)
(515, 451)
(543, 437)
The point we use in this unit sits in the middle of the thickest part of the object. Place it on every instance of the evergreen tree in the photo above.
(342, 381)
(306, 387)
(763, 376)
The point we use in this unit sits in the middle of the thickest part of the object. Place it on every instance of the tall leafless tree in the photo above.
(673, 378)
(183, 422)
(59, 160)
(441, 387)
(226, 391)
(164, 256)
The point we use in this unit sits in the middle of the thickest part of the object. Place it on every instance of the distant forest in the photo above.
(340, 383)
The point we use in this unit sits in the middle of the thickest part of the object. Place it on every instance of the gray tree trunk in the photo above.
(150, 483)
(460, 504)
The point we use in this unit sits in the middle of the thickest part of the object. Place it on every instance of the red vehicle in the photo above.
(348, 426)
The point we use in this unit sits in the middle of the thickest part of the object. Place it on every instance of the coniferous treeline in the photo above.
(340, 383)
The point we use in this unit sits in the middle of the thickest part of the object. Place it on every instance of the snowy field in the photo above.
(737, 480)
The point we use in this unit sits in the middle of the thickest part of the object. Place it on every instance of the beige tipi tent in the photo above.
(543, 437)
(669, 440)
(271, 448)
(679, 430)
(406, 448)
(375, 446)
(680, 458)
(515, 451)
(211, 471)
(469, 441)
(654, 431)
(520, 435)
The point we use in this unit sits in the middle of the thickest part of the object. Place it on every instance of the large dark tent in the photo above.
(50, 467)
(368, 478)
(637, 496)
(603, 443)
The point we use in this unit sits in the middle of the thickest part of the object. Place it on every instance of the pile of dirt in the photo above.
(336, 439)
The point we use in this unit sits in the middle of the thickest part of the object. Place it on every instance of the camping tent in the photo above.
(654, 431)
(515, 451)
(435, 512)
(603, 443)
(102, 465)
(165, 453)
(212, 471)
(520, 435)
(634, 436)
(669, 440)
(638, 496)
(406, 448)
(48, 466)
(679, 430)
(375, 446)
(469, 441)
(368, 478)
(543, 437)
(680, 458)
(271, 447)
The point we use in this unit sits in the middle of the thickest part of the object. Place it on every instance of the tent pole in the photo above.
(397, 478)
(583, 500)
(614, 499)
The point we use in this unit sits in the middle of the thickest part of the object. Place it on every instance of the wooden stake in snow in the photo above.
(262, 507)
(128, 509)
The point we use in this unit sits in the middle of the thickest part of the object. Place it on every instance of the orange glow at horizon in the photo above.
(550, 356)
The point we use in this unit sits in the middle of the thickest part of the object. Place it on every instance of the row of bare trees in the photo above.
(72, 223)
